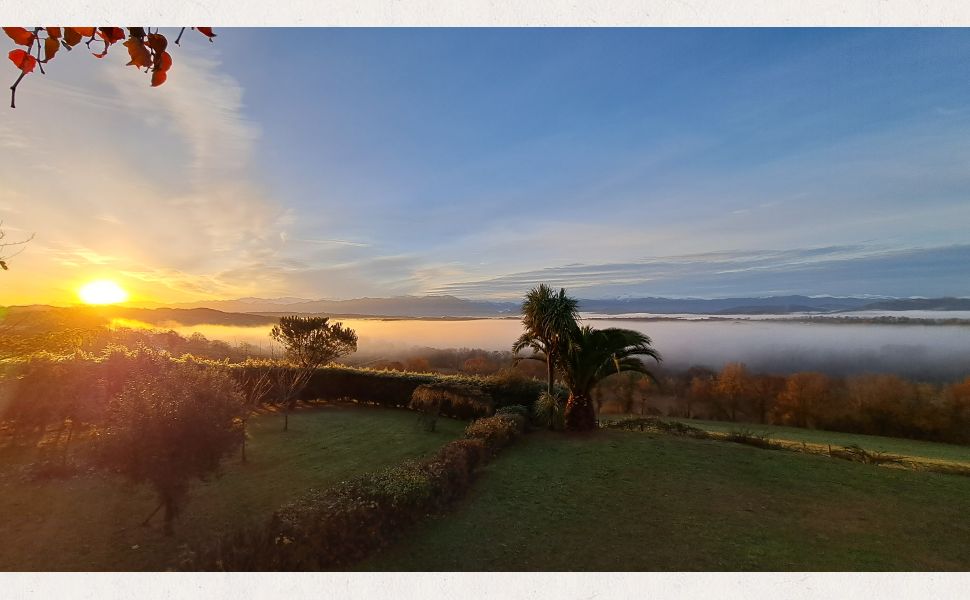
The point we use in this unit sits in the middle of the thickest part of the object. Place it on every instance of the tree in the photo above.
(309, 343)
(312, 342)
(733, 387)
(804, 398)
(593, 354)
(146, 48)
(171, 424)
(256, 386)
(548, 318)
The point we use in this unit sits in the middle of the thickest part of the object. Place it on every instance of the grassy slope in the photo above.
(899, 446)
(633, 501)
(92, 522)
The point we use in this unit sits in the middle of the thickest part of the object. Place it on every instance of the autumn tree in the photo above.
(169, 425)
(733, 388)
(804, 399)
(147, 48)
(956, 411)
(764, 391)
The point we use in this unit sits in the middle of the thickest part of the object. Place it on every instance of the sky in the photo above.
(341, 163)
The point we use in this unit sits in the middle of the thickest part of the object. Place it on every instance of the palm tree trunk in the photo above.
(579, 413)
(551, 372)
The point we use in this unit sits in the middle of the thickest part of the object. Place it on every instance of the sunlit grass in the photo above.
(630, 501)
(91, 522)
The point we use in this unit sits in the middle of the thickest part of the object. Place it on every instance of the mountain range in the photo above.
(450, 306)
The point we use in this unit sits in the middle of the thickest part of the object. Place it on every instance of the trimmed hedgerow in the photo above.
(498, 431)
(339, 526)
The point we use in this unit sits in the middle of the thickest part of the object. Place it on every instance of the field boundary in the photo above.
(764, 440)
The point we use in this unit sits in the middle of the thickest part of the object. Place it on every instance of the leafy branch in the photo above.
(146, 48)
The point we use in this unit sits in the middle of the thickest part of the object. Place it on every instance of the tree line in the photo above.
(873, 404)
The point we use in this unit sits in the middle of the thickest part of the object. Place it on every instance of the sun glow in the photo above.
(102, 292)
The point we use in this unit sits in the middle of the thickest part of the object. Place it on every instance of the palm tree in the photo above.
(547, 317)
(593, 354)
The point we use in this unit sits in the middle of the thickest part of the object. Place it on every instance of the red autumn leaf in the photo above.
(24, 61)
(72, 37)
(51, 46)
(111, 34)
(54, 32)
(20, 35)
(158, 78)
(206, 31)
(85, 31)
(140, 56)
(157, 42)
(163, 62)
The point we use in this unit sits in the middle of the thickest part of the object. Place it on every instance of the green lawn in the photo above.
(91, 522)
(911, 448)
(619, 501)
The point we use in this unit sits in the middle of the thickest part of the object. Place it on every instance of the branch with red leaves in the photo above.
(146, 48)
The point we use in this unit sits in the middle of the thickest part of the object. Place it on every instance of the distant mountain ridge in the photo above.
(451, 306)
(400, 306)
(258, 311)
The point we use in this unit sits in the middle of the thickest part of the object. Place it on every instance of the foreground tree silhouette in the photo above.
(146, 48)
(309, 343)
(171, 423)
(593, 354)
(548, 318)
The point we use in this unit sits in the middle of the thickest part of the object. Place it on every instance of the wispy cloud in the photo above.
(845, 270)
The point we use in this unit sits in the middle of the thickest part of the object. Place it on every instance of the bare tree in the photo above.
(7, 247)
(290, 381)
(256, 388)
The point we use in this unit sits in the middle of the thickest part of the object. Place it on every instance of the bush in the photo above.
(549, 412)
(513, 409)
(451, 399)
(655, 424)
(171, 423)
(498, 431)
(747, 437)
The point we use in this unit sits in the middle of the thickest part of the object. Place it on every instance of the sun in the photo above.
(103, 291)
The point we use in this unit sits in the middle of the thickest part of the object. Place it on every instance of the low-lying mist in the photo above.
(924, 352)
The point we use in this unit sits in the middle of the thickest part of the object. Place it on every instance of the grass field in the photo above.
(618, 501)
(910, 448)
(92, 522)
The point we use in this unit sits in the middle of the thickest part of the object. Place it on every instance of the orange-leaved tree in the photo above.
(146, 47)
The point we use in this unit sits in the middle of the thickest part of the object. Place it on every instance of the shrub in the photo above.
(498, 431)
(655, 424)
(451, 399)
(549, 412)
(169, 424)
(747, 437)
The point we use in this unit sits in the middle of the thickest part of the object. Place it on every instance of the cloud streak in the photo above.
(833, 270)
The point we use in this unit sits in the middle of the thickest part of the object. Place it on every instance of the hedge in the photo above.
(395, 388)
(339, 526)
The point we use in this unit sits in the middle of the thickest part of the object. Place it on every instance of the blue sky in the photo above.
(345, 162)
